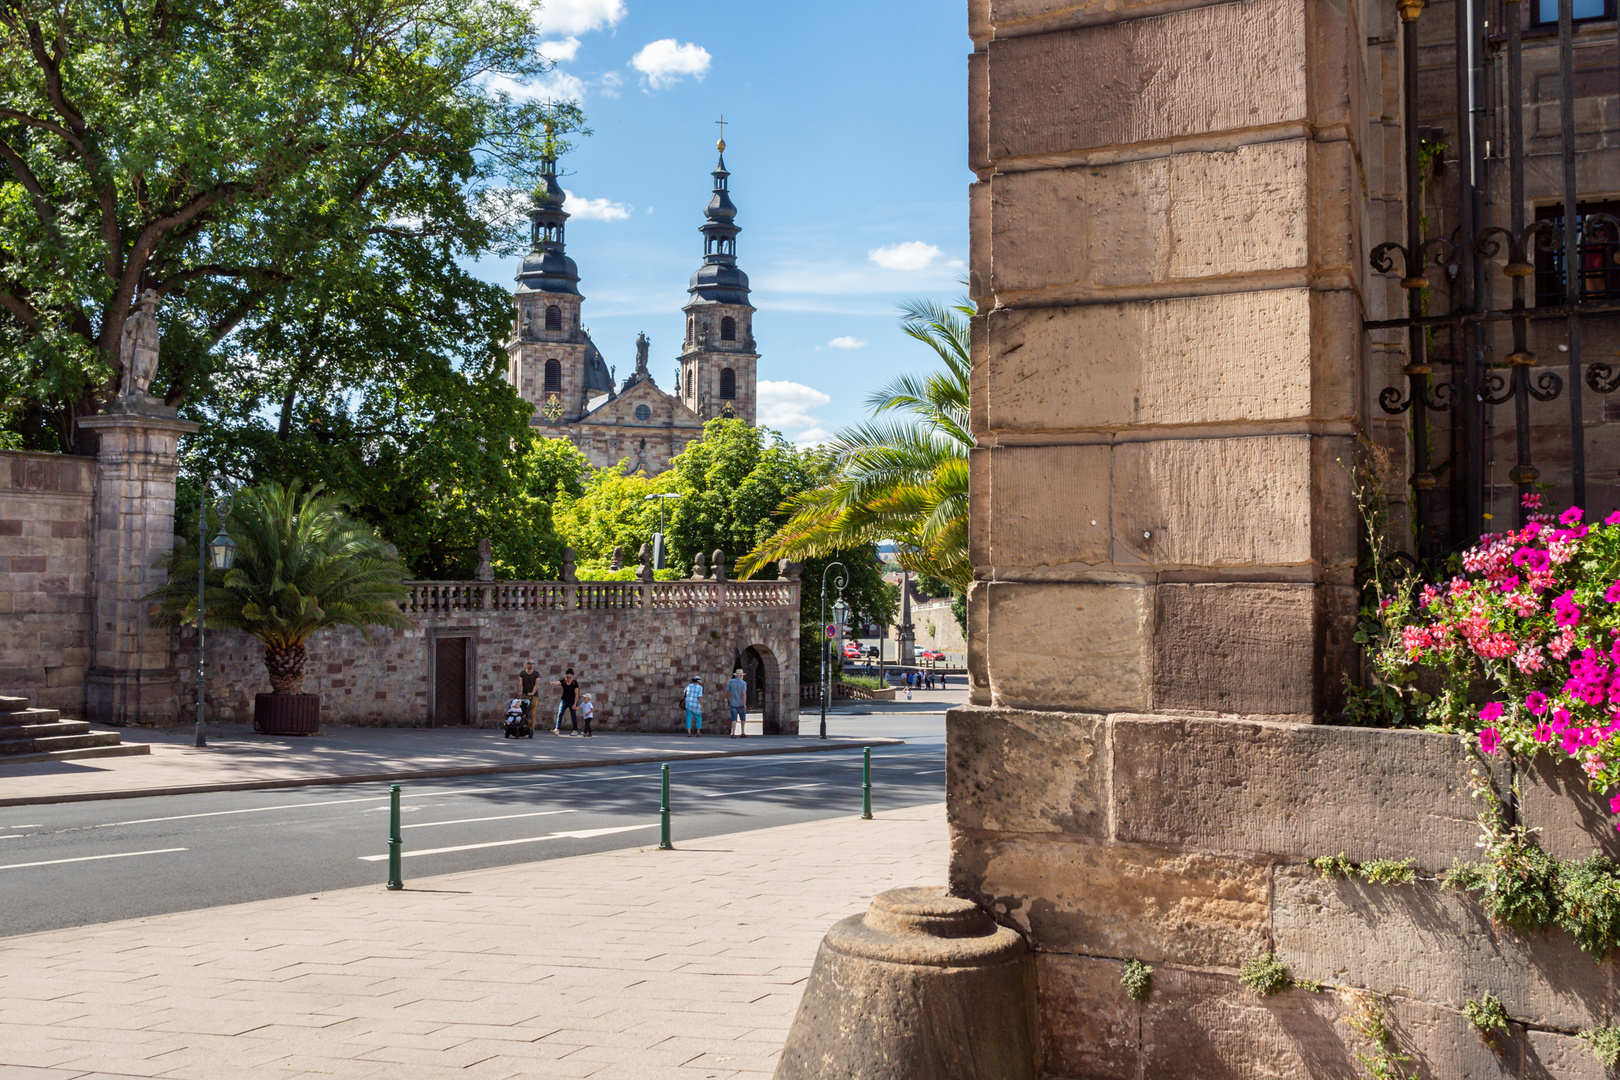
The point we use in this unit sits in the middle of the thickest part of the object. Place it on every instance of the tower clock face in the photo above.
(553, 408)
(728, 412)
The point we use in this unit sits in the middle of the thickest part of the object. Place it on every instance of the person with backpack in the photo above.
(694, 707)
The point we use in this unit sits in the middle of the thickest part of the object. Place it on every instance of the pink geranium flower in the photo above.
(1612, 519)
(1613, 594)
(1570, 516)
(1530, 501)
(1566, 612)
(1543, 733)
(1490, 740)
(1491, 713)
(1536, 702)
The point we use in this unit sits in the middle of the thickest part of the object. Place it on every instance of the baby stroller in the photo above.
(518, 725)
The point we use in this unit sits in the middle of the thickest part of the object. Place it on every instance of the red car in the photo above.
(852, 651)
(931, 654)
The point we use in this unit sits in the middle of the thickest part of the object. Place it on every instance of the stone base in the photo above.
(121, 698)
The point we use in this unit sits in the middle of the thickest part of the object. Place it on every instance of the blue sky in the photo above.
(846, 140)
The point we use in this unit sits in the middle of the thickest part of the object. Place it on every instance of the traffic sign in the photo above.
(832, 631)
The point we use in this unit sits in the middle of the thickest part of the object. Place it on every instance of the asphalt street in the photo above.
(73, 864)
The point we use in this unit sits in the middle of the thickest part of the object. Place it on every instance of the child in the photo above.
(587, 709)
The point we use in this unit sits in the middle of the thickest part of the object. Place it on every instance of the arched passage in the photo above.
(764, 678)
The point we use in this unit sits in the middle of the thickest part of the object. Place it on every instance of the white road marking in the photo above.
(755, 791)
(93, 858)
(581, 834)
(498, 817)
(249, 810)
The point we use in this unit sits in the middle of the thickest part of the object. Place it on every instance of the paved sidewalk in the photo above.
(638, 964)
(236, 758)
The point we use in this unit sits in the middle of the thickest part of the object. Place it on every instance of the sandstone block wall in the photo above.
(636, 662)
(45, 576)
(1183, 842)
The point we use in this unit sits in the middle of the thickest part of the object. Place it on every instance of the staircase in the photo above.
(42, 735)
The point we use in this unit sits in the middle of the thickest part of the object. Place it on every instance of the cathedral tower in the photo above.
(718, 360)
(551, 360)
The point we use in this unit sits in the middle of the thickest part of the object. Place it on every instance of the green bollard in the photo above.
(394, 841)
(866, 784)
(663, 814)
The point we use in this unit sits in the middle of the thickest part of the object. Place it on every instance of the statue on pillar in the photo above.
(485, 571)
(569, 571)
(618, 558)
(642, 344)
(644, 572)
(138, 347)
(700, 567)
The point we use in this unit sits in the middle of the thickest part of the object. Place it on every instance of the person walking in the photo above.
(529, 680)
(587, 709)
(569, 703)
(737, 695)
(694, 707)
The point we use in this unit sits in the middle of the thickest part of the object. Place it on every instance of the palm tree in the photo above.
(301, 564)
(897, 477)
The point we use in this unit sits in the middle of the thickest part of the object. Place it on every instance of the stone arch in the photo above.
(763, 673)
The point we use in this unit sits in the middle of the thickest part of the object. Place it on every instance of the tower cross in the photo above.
(722, 122)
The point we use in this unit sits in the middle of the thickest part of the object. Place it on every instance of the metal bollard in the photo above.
(663, 814)
(866, 784)
(394, 841)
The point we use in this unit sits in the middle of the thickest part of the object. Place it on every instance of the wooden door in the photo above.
(449, 681)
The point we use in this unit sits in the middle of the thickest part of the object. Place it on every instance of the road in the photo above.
(74, 864)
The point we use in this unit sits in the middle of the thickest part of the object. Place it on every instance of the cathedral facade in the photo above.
(558, 369)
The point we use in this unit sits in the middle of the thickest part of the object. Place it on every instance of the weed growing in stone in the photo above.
(1589, 903)
(1486, 1016)
(1265, 975)
(1377, 871)
(1310, 986)
(1334, 866)
(1383, 1060)
(1605, 1044)
(1137, 980)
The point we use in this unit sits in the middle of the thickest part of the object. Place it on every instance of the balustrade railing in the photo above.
(447, 597)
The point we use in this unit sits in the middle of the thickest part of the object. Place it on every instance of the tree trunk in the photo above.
(286, 668)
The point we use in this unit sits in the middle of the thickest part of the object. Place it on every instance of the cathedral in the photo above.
(558, 369)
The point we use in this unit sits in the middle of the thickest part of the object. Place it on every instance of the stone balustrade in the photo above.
(445, 597)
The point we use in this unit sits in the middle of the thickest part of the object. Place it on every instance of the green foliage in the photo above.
(906, 479)
(1310, 986)
(301, 565)
(1265, 975)
(259, 165)
(1486, 1016)
(1334, 866)
(1589, 903)
(1388, 871)
(1604, 1044)
(1137, 980)
(865, 682)
(1383, 1059)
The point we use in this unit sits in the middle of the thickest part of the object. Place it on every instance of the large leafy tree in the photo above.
(228, 153)
(901, 475)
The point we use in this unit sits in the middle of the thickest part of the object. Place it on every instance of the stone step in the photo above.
(12, 704)
(24, 717)
(121, 750)
(54, 738)
(24, 732)
(46, 743)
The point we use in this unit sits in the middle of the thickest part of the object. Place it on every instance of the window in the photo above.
(1599, 277)
(728, 329)
(728, 383)
(1547, 11)
(553, 375)
(643, 413)
(553, 317)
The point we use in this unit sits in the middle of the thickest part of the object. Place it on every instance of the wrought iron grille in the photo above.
(1475, 289)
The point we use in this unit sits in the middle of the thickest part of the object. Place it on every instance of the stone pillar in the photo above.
(1166, 243)
(132, 677)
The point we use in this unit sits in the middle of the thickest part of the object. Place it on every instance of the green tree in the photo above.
(904, 478)
(224, 153)
(301, 565)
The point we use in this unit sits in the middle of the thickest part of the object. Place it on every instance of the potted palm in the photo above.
(301, 564)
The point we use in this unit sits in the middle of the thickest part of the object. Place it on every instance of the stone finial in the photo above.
(789, 570)
(485, 572)
(138, 347)
(700, 567)
(618, 558)
(644, 572)
(719, 560)
(569, 573)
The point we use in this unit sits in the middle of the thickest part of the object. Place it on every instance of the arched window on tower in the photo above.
(553, 317)
(553, 376)
(691, 328)
(728, 384)
(728, 329)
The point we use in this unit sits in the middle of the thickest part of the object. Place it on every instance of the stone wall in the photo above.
(946, 634)
(633, 646)
(1183, 842)
(46, 589)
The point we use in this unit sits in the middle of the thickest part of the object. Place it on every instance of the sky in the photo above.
(846, 141)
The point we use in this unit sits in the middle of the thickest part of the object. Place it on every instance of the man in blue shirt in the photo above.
(694, 707)
(737, 697)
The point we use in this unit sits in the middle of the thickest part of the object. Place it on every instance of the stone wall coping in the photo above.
(446, 597)
(143, 421)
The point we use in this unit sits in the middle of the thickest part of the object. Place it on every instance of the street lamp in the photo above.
(828, 633)
(658, 540)
(220, 553)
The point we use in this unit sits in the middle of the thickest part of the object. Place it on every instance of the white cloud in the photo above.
(911, 255)
(582, 209)
(560, 51)
(556, 86)
(573, 17)
(611, 81)
(664, 62)
(787, 407)
(847, 342)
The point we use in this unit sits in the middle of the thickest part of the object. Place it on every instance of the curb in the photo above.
(439, 774)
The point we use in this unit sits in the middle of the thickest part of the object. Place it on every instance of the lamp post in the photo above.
(220, 553)
(826, 641)
(658, 541)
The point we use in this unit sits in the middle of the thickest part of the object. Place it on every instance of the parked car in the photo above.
(932, 654)
(872, 651)
(852, 651)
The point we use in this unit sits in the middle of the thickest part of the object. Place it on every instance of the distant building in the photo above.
(557, 368)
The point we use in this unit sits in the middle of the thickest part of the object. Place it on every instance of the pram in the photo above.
(518, 724)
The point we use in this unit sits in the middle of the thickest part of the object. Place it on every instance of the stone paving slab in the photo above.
(237, 759)
(685, 965)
